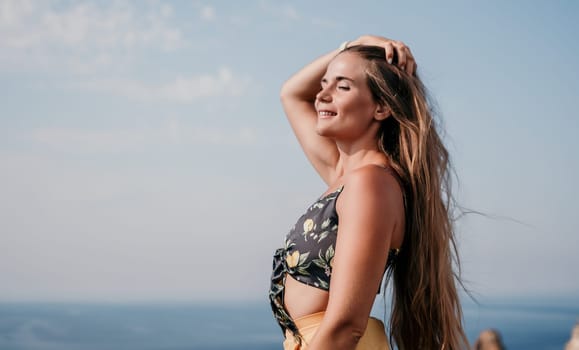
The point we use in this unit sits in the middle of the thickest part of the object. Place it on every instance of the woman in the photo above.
(362, 118)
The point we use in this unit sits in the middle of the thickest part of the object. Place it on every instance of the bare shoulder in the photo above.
(374, 182)
(373, 203)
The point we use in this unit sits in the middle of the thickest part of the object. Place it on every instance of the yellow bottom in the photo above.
(374, 337)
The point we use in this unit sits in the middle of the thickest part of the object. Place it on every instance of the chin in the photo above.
(323, 131)
(331, 131)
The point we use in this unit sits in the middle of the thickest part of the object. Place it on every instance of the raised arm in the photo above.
(298, 95)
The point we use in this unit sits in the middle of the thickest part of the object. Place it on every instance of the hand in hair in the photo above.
(397, 52)
(299, 93)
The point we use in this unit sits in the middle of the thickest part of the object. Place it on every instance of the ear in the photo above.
(382, 112)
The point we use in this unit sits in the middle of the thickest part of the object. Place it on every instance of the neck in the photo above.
(359, 153)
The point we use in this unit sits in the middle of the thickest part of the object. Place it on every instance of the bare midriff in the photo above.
(302, 300)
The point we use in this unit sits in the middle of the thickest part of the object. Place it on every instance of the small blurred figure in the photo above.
(489, 339)
(573, 343)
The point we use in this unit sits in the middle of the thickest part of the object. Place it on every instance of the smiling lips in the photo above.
(326, 114)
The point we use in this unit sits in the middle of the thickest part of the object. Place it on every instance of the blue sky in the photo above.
(144, 154)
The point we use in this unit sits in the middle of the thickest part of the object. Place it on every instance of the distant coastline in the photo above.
(525, 323)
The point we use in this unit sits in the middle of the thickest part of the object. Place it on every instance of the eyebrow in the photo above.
(340, 78)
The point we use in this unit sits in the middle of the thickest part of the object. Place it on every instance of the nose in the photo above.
(323, 95)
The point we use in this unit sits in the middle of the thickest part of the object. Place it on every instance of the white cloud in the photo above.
(208, 13)
(93, 63)
(285, 11)
(290, 12)
(324, 22)
(30, 25)
(166, 10)
(91, 141)
(181, 89)
(12, 11)
(77, 140)
(53, 31)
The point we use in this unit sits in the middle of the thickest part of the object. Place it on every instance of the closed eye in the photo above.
(344, 88)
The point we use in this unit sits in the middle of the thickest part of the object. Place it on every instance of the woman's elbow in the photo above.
(290, 91)
(285, 91)
(349, 330)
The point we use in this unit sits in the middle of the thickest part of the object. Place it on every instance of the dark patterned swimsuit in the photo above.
(307, 255)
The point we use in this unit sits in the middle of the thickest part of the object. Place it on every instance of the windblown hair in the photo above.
(426, 311)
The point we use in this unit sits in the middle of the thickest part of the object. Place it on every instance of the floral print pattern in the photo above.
(307, 255)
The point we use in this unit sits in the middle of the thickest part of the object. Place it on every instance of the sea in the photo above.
(523, 324)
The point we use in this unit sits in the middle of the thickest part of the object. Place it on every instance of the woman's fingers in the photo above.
(392, 47)
(402, 54)
(411, 68)
(405, 59)
(389, 48)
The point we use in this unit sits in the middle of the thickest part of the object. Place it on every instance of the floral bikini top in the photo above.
(307, 255)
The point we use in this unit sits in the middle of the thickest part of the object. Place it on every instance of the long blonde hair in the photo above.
(426, 311)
